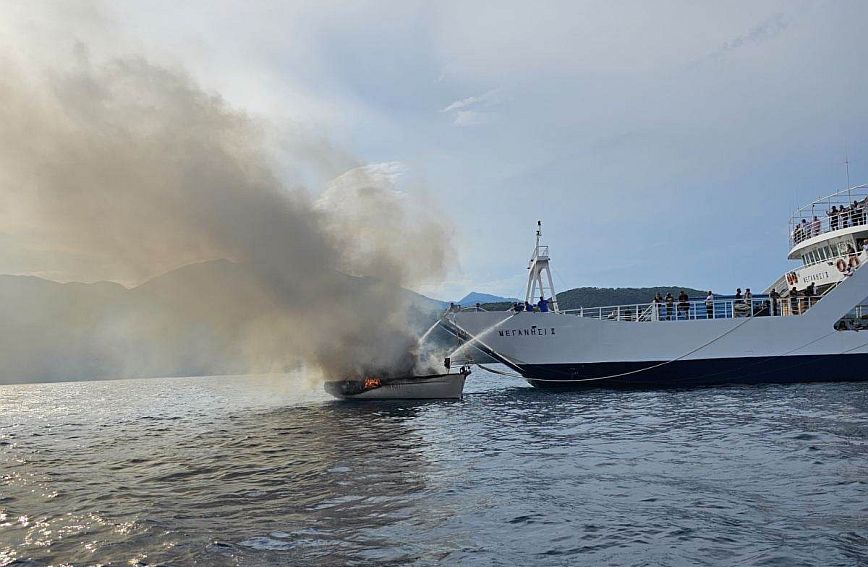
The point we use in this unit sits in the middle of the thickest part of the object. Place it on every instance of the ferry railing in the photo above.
(729, 308)
(826, 221)
(691, 310)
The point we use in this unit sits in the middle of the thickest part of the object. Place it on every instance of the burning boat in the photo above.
(423, 387)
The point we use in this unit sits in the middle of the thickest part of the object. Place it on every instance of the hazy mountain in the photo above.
(475, 297)
(179, 323)
(603, 296)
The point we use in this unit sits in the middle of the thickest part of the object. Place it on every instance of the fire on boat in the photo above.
(449, 385)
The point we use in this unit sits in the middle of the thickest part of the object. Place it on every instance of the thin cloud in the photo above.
(473, 110)
(765, 31)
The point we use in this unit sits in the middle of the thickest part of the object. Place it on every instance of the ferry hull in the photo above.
(693, 373)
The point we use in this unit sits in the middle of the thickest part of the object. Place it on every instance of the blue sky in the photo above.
(660, 143)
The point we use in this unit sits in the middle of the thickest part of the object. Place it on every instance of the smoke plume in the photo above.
(124, 169)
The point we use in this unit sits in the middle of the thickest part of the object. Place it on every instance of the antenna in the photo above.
(847, 168)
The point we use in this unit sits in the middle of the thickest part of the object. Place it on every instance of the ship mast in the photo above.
(538, 267)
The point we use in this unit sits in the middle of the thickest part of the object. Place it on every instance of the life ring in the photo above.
(854, 261)
(841, 265)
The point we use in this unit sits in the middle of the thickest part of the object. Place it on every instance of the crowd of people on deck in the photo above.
(839, 217)
(541, 306)
(669, 308)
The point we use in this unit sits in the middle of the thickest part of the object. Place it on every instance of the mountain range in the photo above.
(182, 323)
(475, 297)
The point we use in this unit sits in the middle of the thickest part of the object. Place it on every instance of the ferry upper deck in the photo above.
(841, 214)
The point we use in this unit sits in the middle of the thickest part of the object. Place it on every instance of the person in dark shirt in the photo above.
(543, 305)
(683, 305)
(810, 292)
(658, 306)
(528, 307)
(794, 301)
(669, 303)
(833, 217)
(774, 297)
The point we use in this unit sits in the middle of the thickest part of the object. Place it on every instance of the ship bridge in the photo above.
(830, 238)
(836, 218)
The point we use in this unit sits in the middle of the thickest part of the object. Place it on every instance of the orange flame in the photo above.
(372, 382)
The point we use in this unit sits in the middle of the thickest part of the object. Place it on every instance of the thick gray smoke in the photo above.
(123, 169)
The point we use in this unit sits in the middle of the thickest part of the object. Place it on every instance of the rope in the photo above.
(664, 363)
(638, 370)
(502, 373)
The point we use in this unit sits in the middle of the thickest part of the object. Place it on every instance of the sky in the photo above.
(661, 143)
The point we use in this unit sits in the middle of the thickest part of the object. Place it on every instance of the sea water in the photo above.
(259, 471)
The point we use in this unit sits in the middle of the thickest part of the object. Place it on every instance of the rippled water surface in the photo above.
(252, 471)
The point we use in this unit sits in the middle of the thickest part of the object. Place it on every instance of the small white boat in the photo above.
(449, 386)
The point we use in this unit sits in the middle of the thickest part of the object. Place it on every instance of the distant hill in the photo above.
(475, 297)
(181, 323)
(603, 296)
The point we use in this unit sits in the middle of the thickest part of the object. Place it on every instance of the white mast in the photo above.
(539, 264)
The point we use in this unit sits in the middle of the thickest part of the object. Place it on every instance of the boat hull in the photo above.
(430, 387)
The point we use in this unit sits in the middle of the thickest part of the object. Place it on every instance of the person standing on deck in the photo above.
(794, 301)
(543, 305)
(669, 303)
(683, 305)
(748, 299)
(709, 305)
(815, 226)
(833, 217)
(774, 296)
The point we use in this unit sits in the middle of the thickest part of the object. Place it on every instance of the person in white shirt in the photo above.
(709, 305)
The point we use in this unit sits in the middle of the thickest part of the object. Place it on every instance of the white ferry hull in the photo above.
(562, 350)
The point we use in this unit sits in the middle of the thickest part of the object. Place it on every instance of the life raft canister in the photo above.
(841, 265)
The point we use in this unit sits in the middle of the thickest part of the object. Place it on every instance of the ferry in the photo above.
(805, 327)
